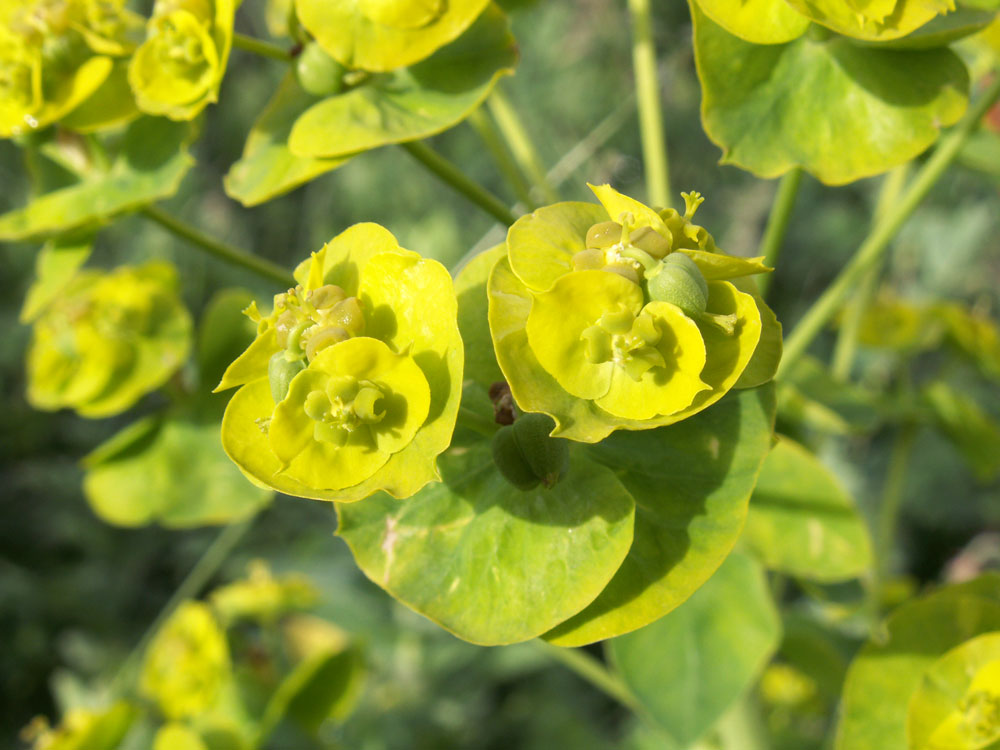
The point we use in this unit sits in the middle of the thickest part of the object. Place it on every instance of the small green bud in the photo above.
(678, 280)
(604, 235)
(318, 73)
(280, 371)
(527, 456)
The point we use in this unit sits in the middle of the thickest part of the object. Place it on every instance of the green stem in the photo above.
(457, 180)
(847, 338)
(591, 670)
(893, 492)
(823, 309)
(476, 422)
(647, 85)
(206, 567)
(740, 728)
(512, 128)
(777, 223)
(232, 255)
(260, 47)
(490, 136)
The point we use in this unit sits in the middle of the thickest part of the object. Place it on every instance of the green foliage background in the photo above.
(76, 594)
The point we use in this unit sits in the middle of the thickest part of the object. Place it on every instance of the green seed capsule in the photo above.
(280, 372)
(318, 73)
(604, 235)
(650, 241)
(527, 456)
(679, 281)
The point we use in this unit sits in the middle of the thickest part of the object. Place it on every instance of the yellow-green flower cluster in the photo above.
(177, 70)
(107, 340)
(618, 316)
(779, 21)
(352, 384)
(83, 729)
(54, 55)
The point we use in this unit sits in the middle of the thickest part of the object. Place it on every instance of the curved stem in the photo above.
(824, 308)
(457, 180)
(777, 223)
(260, 47)
(509, 122)
(206, 567)
(647, 85)
(232, 255)
(591, 670)
(491, 138)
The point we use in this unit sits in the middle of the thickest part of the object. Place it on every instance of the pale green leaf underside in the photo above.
(802, 522)
(838, 110)
(688, 667)
(691, 482)
(489, 563)
(410, 103)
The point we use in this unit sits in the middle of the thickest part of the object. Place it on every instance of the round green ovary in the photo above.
(317, 72)
(677, 280)
(592, 334)
(402, 14)
(354, 406)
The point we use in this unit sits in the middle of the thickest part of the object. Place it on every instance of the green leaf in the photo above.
(691, 482)
(490, 563)
(267, 167)
(111, 105)
(810, 395)
(757, 21)
(55, 266)
(153, 159)
(885, 674)
(382, 35)
(171, 471)
(473, 304)
(838, 110)
(801, 521)
(411, 103)
(687, 668)
(970, 429)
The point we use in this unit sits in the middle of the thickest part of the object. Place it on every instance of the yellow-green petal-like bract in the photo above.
(382, 35)
(370, 336)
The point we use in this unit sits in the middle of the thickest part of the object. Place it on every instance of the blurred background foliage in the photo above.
(77, 594)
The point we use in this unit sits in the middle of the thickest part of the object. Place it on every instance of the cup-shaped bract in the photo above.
(382, 35)
(177, 70)
(353, 382)
(618, 316)
(187, 663)
(55, 54)
(779, 21)
(107, 340)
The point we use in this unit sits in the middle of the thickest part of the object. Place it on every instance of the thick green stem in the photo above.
(777, 223)
(847, 338)
(491, 138)
(647, 85)
(232, 255)
(824, 308)
(206, 567)
(591, 670)
(513, 131)
(476, 422)
(457, 180)
(260, 47)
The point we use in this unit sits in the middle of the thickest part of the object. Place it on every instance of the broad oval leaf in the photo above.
(802, 522)
(411, 103)
(486, 561)
(691, 482)
(153, 159)
(838, 110)
(886, 674)
(688, 667)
